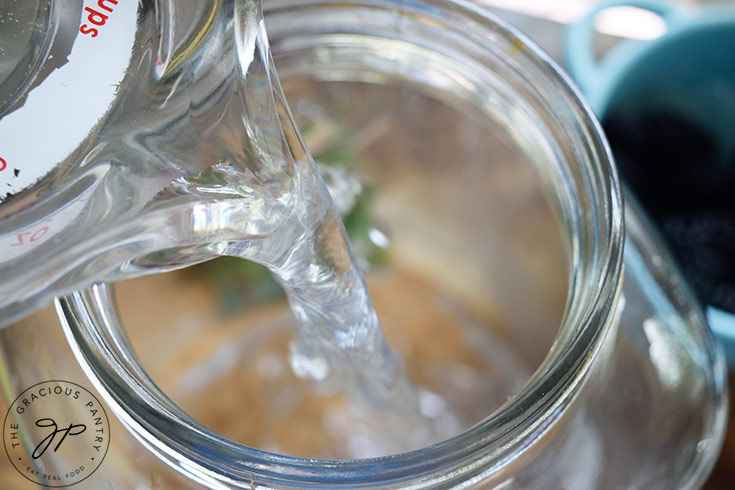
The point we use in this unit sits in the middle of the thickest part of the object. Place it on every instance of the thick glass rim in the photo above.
(589, 199)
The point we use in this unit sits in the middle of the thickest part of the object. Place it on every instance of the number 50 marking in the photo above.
(32, 236)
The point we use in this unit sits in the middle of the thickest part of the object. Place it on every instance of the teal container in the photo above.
(688, 72)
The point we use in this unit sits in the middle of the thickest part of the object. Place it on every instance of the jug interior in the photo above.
(464, 257)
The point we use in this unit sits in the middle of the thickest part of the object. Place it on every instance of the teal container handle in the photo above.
(579, 46)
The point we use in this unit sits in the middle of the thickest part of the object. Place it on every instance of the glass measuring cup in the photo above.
(615, 401)
(133, 137)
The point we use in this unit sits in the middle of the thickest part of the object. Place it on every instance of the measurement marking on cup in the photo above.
(23, 240)
(32, 236)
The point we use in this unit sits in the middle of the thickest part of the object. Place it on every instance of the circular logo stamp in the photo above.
(56, 433)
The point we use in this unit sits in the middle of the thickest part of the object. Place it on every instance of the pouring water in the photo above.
(168, 142)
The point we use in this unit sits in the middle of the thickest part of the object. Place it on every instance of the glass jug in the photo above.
(625, 387)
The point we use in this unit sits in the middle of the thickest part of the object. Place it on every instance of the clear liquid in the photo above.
(197, 157)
